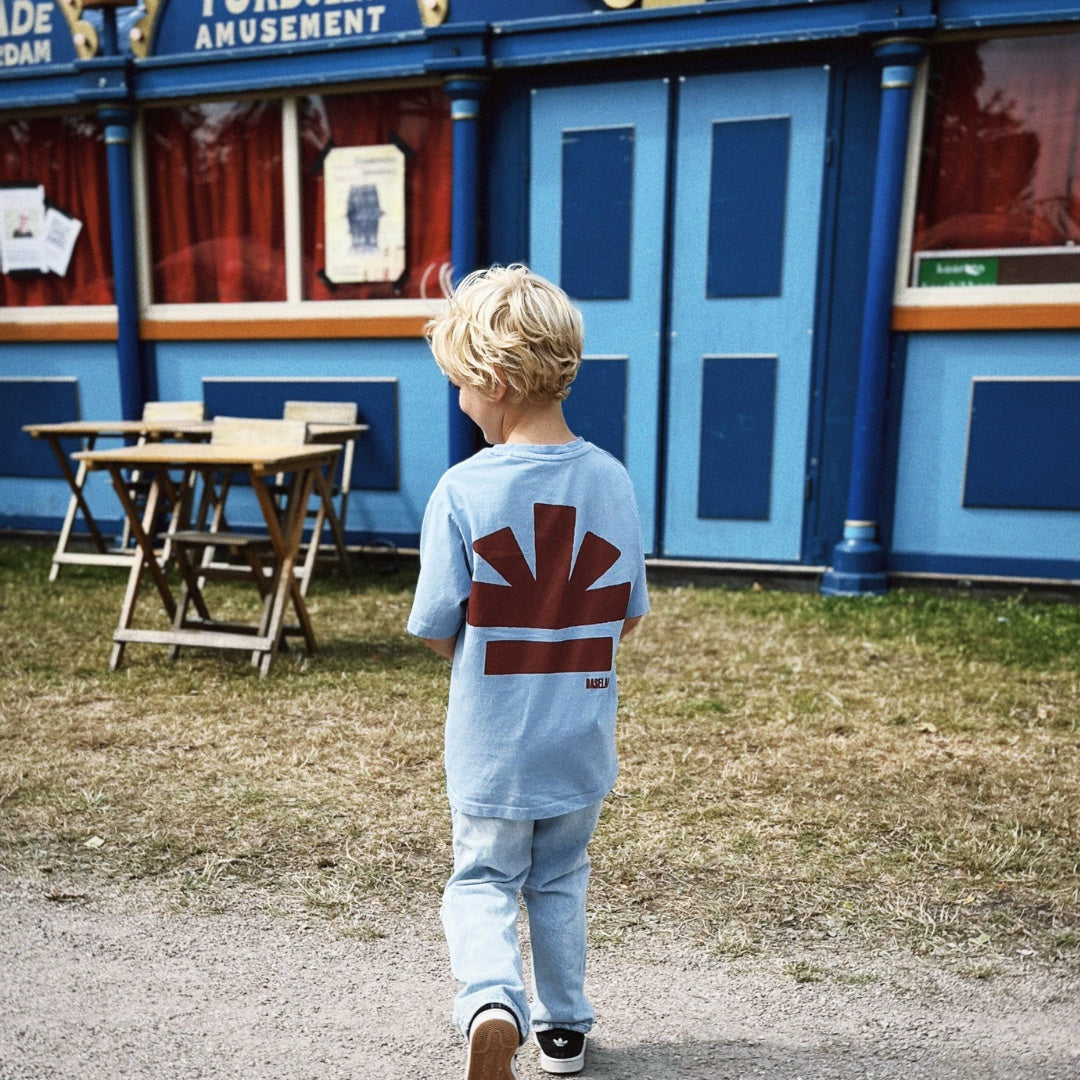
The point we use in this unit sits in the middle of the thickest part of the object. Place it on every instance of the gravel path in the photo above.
(121, 987)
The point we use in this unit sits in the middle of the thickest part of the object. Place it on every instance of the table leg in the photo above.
(181, 496)
(77, 502)
(325, 514)
(286, 543)
(145, 557)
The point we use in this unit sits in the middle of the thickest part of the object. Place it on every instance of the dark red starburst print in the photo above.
(558, 597)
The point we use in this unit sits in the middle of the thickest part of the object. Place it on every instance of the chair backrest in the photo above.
(231, 430)
(329, 412)
(173, 410)
(321, 412)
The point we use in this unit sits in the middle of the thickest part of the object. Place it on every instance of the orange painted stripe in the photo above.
(913, 319)
(386, 326)
(65, 331)
(996, 317)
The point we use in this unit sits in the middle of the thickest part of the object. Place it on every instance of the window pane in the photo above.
(999, 166)
(217, 231)
(66, 156)
(417, 122)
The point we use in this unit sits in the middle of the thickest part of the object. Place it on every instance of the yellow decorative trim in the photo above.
(143, 30)
(433, 12)
(83, 34)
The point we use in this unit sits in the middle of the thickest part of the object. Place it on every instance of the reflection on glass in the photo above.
(1000, 158)
(999, 163)
(214, 173)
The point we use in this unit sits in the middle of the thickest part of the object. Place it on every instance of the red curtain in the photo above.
(1001, 154)
(217, 231)
(418, 121)
(67, 156)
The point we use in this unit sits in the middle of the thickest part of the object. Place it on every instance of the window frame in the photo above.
(970, 307)
(292, 317)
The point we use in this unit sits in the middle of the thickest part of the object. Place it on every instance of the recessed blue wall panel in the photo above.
(40, 502)
(1024, 444)
(596, 407)
(747, 197)
(597, 192)
(375, 465)
(931, 527)
(738, 406)
(34, 401)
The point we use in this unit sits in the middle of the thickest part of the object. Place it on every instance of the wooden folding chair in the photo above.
(250, 553)
(168, 411)
(323, 508)
(156, 412)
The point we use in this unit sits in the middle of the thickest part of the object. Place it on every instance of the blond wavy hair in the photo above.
(508, 326)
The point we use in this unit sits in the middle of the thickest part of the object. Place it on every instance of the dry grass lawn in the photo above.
(902, 770)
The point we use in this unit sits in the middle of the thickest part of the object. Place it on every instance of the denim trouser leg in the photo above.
(554, 894)
(494, 860)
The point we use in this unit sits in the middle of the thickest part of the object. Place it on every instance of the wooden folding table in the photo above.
(284, 526)
(104, 554)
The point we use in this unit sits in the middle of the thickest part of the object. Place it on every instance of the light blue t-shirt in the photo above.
(532, 556)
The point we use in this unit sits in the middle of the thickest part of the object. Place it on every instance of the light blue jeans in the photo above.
(546, 861)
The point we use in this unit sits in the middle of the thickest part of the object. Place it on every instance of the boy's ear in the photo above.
(500, 386)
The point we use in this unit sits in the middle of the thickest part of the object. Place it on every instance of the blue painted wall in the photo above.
(926, 523)
(422, 412)
(179, 369)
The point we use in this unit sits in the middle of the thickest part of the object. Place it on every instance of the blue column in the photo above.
(858, 566)
(118, 121)
(465, 92)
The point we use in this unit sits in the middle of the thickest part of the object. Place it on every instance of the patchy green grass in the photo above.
(795, 768)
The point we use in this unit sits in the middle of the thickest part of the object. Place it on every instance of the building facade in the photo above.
(825, 251)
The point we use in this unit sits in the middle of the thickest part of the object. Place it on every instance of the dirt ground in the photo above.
(101, 987)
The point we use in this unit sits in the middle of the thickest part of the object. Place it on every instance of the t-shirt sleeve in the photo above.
(442, 589)
(639, 596)
(639, 590)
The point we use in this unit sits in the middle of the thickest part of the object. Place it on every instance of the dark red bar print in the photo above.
(548, 657)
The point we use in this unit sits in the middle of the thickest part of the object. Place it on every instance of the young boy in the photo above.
(531, 570)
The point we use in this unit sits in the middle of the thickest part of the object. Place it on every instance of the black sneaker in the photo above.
(561, 1050)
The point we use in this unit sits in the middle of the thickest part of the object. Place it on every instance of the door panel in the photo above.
(597, 197)
(740, 284)
(749, 164)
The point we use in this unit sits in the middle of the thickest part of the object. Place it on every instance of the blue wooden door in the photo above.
(698, 324)
(598, 191)
(749, 165)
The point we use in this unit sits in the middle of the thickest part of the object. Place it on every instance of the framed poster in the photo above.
(365, 213)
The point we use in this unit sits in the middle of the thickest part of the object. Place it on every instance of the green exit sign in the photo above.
(957, 270)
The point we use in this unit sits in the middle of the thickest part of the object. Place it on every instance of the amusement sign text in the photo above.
(227, 24)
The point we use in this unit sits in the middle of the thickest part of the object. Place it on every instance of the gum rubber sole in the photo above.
(492, 1045)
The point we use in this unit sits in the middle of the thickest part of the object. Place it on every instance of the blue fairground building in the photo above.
(827, 251)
